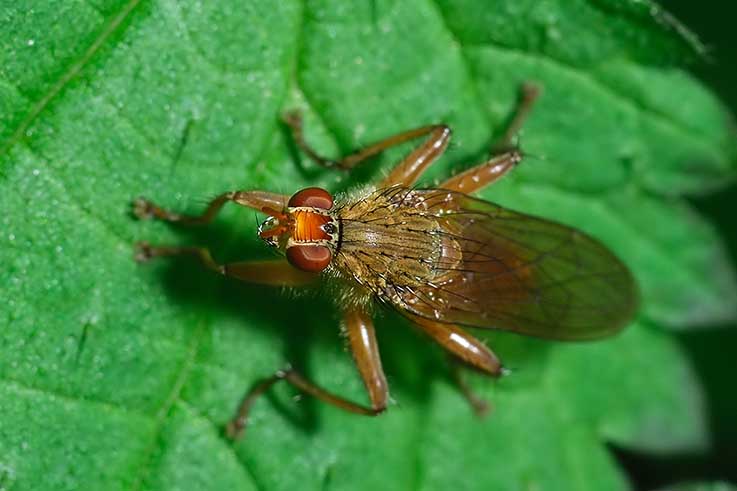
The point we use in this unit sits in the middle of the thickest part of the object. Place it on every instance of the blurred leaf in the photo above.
(715, 486)
(117, 376)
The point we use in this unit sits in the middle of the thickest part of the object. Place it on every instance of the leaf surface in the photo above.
(120, 376)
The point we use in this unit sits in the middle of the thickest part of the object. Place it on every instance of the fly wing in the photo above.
(506, 270)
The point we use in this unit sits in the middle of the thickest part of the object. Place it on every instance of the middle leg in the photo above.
(362, 341)
(439, 135)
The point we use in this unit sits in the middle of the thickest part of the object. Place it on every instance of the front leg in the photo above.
(258, 200)
(272, 273)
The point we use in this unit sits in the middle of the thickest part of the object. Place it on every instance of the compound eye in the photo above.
(312, 197)
(311, 258)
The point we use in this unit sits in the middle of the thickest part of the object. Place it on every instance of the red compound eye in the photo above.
(311, 258)
(312, 197)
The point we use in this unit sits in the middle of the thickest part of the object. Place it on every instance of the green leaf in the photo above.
(119, 376)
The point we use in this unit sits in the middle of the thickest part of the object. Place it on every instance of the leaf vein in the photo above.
(183, 373)
(625, 99)
(55, 394)
(68, 76)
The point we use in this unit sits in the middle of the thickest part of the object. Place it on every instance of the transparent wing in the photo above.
(506, 270)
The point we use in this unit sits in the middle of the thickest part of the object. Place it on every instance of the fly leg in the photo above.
(529, 93)
(479, 405)
(497, 166)
(483, 175)
(276, 273)
(258, 200)
(361, 335)
(273, 272)
(362, 341)
(413, 165)
(463, 347)
(436, 132)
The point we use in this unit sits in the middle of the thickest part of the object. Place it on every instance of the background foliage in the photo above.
(712, 351)
(117, 376)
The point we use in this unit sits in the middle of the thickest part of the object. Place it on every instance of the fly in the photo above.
(442, 258)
